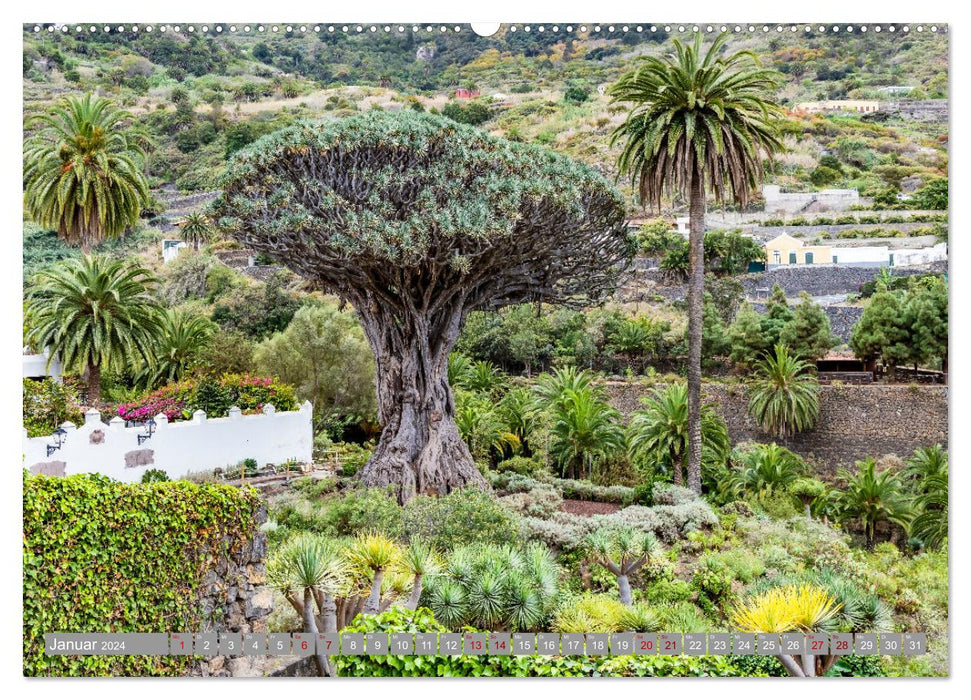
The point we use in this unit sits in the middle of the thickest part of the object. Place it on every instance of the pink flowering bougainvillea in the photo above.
(178, 401)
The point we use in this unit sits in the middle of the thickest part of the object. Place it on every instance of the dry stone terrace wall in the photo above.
(855, 422)
(821, 280)
(236, 598)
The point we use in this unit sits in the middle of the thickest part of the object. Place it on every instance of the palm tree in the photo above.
(520, 410)
(700, 123)
(196, 229)
(871, 497)
(658, 434)
(585, 430)
(927, 473)
(623, 552)
(767, 469)
(784, 394)
(182, 337)
(551, 388)
(930, 526)
(83, 171)
(95, 314)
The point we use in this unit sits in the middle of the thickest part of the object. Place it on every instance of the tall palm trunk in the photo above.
(696, 289)
(94, 384)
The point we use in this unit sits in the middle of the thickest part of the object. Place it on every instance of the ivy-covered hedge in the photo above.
(102, 556)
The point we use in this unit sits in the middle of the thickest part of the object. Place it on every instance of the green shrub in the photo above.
(462, 517)
(154, 476)
(674, 666)
(526, 466)
(669, 590)
(47, 404)
(540, 502)
(365, 510)
(315, 488)
(102, 556)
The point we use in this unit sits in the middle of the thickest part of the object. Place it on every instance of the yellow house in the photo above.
(785, 250)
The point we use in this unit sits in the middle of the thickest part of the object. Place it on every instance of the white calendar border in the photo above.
(450, 11)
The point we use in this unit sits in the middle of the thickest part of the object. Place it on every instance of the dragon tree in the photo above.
(416, 221)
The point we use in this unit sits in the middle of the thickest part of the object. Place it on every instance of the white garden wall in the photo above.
(177, 448)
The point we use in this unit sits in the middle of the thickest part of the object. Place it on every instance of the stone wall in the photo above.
(819, 280)
(236, 599)
(854, 421)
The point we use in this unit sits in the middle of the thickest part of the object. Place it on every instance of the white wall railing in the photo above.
(178, 448)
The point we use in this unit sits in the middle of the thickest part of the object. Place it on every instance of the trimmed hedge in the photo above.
(102, 556)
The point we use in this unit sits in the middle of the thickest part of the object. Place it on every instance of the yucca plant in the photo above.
(784, 394)
(310, 572)
(623, 552)
(374, 554)
(807, 490)
(495, 587)
(419, 560)
(803, 608)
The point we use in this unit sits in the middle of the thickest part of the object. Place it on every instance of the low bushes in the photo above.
(178, 401)
(101, 556)
(47, 404)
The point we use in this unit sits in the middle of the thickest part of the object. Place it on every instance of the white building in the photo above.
(171, 247)
(35, 365)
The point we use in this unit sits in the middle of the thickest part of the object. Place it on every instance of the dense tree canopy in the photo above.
(416, 221)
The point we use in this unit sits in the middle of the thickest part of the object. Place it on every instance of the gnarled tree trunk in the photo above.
(420, 450)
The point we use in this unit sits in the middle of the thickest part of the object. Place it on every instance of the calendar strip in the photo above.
(485, 643)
